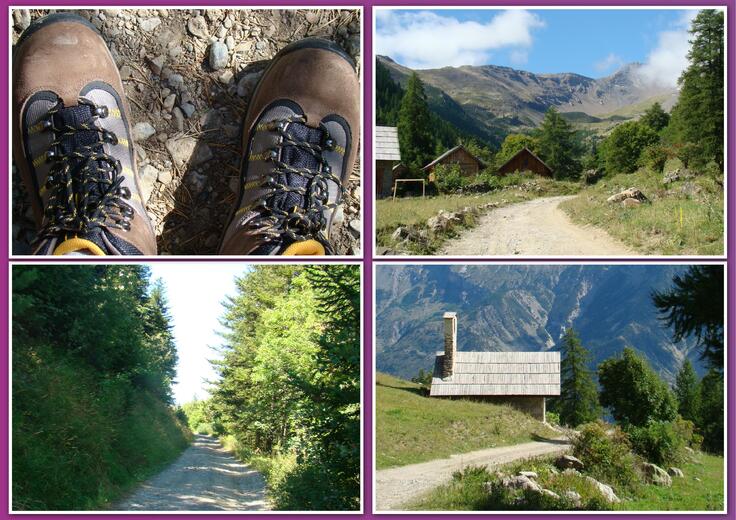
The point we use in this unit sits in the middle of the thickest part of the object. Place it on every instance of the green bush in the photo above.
(622, 149)
(553, 418)
(661, 442)
(449, 178)
(633, 391)
(606, 452)
(655, 157)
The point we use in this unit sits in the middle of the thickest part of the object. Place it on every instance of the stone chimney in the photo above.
(450, 332)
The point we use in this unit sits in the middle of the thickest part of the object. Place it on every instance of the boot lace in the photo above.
(84, 183)
(296, 223)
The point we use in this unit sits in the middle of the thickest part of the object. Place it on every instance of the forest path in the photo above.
(397, 486)
(535, 227)
(204, 478)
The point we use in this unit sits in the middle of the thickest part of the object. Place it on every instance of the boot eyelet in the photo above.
(273, 154)
(47, 124)
(125, 192)
(102, 112)
(51, 154)
(329, 144)
(280, 126)
(326, 168)
(109, 137)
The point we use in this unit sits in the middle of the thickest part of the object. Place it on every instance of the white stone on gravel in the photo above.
(142, 131)
(218, 55)
(149, 24)
(157, 64)
(21, 19)
(182, 151)
(176, 81)
(169, 102)
(198, 27)
(188, 109)
(147, 177)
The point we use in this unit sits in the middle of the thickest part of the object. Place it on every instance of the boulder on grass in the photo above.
(529, 474)
(605, 490)
(675, 472)
(520, 482)
(631, 193)
(574, 497)
(399, 234)
(569, 462)
(631, 203)
(656, 475)
(550, 494)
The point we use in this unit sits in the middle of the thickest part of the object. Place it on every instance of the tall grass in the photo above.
(79, 442)
(674, 223)
(700, 490)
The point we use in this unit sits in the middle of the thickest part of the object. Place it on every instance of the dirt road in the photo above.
(397, 486)
(536, 227)
(204, 478)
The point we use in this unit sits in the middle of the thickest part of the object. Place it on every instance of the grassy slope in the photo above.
(686, 494)
(78, 444)
(411, 428)
(655, 228)
(414, 211)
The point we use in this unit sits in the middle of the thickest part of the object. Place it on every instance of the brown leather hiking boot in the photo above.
(72, 142)
(300, 140)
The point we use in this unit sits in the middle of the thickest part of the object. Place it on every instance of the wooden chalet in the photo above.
(469, 164)
(521, 379)
(387, 157)
(525, 160)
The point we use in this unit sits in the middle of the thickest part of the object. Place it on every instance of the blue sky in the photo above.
(195, 292)
(592, 42)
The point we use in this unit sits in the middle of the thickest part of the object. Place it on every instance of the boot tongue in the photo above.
(76, 117)
(298, 158)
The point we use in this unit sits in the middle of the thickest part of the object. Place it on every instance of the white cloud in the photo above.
(668, 59)
(612, 61)
(423, 39)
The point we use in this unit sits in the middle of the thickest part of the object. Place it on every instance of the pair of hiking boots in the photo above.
(72, 142)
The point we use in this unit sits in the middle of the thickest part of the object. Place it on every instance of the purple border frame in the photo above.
(367, 218)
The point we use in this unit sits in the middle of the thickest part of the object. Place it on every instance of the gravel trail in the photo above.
(204, 478)
(535, 227)
(397, 486)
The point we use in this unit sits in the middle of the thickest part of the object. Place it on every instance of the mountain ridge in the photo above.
(513, 308)
(503, 98)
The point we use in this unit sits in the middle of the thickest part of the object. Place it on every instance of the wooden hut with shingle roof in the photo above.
(387, 156)
(522, 379)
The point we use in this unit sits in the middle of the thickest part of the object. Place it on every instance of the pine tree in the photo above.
(686, 390)
(698, 115)
(558, 146)
(694, 307)
(655, 117)
(711, 410)
(414, 127)
(578, 402)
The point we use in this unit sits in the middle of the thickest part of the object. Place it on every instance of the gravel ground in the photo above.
(536, 227)
(204, 478)
(188, 75)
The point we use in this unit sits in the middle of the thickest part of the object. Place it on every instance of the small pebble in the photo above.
(142, 131)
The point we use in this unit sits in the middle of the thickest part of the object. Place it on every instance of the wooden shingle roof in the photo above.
(448, 152)
(498, 373)
(387, 144)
